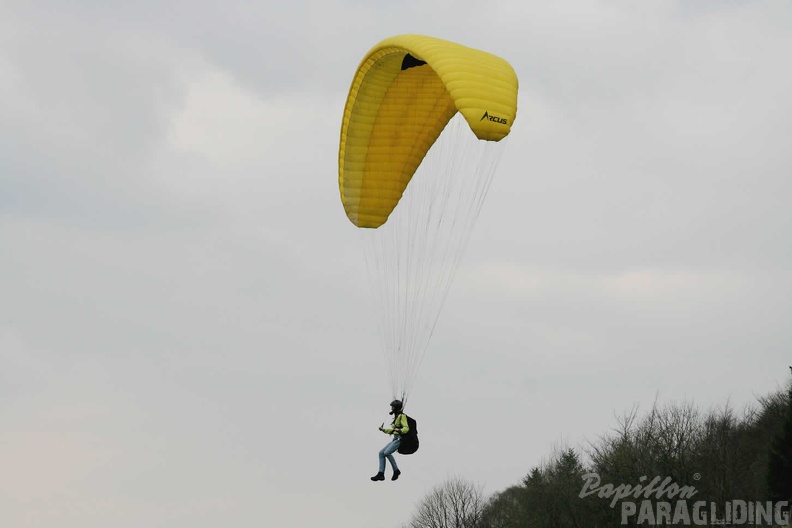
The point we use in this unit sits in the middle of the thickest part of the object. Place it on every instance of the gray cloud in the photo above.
(186, 334)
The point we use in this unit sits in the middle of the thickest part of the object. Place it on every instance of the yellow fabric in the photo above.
(393, 115)
(400, 421)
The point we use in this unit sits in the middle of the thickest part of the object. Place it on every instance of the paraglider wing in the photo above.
(404, 93)
(418, 150)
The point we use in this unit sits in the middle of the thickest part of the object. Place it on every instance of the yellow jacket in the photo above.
(399, 426)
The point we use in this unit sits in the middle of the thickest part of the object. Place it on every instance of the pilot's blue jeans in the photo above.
(387, 452)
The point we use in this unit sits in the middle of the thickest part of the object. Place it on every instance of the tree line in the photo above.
(740, 462)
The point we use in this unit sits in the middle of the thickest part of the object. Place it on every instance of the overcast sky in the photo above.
(186, 337)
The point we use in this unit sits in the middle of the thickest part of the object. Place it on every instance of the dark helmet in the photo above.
(397, 405)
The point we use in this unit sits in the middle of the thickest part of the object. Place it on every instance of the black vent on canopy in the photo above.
(411, 62)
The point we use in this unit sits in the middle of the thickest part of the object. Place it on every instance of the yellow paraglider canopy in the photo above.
(404, 93)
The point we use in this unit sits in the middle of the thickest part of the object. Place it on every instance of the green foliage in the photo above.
(548, 497)
(720, 454)
(779, 469)
(509, 508)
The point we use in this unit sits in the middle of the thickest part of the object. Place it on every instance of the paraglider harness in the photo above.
(409, 441)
